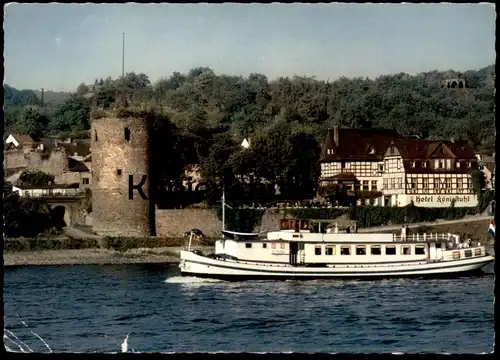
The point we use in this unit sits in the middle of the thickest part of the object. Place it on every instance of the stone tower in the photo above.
(120, 149)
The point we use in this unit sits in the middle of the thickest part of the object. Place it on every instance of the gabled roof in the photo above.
(432, 149)
(77, 166)
(358, 144)
(23, 139)
(81, 148)
(416, 153)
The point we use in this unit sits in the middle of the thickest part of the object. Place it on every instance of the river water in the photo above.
(92, 308)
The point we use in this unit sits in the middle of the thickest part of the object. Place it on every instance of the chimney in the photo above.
(336, 135)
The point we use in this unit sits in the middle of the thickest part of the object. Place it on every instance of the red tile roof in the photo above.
(416, 152)
(358, 144)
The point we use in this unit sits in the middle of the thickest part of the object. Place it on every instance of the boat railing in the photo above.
(425, 237)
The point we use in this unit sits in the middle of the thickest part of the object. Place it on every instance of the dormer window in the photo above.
(469, 164)
(372, 151)
(457, 164)
(413, 163)
(424, 164)
(440, 164)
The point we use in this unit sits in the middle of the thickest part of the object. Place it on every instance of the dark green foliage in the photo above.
(202, 118)
(478, 181)
(35, 177)
(241, 220)
(25, 217)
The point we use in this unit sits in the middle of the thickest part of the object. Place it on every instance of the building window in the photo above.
(420, 250)
(413, 163)
(399, 164)
(248, 245)
(440, 164)
(127, 134)
(85, 181)
(390, 250)
(361, 250)
(330, 250)
(374, 185)
(342, 164)
(365, 185)
(405, 250)
(375, 250)
(424, 164)
(118, 171)
(345, 250)
(264, 246)
(469, 164)
(317, 250)
(381, 168)
(426, 184)
(457, 164)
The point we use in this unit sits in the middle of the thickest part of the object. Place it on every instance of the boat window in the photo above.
(419, 250)
(345, 250)
(317, 250)
(456, 254)
(248, 245)
(405, 250)
(390, 250)
(361, 250)
(468, 253)
(264, 246)
(376, 250)
(330, 250)
(273, 245)
(282, 245)
(477, 252)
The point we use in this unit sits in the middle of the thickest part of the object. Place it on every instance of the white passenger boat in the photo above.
(300, 250)
(295, 252)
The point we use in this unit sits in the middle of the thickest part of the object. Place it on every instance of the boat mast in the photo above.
(223, 210)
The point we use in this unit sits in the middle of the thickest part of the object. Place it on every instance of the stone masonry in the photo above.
(120, 147)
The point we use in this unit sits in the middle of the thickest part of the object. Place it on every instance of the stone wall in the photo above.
(120, 148)
(173, 223)
(55, 162)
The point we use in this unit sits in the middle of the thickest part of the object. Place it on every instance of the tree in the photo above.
(72, 116)
(36, 177)
(24, 217)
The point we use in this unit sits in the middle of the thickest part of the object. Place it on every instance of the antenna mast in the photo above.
(123, 58)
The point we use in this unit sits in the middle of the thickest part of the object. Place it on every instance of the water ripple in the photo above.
(92, 308)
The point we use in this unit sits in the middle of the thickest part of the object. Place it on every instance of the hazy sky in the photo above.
(57, 46)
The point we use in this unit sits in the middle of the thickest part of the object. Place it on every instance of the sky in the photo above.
(59, 46)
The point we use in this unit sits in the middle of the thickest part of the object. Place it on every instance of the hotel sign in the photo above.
(444, 200)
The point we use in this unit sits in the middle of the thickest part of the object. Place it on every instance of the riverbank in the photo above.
(168, 255)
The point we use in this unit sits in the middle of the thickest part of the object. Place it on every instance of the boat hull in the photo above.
(203, 267)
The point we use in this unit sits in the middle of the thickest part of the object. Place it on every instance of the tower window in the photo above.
(95, 135)
(118, 171)
(127, 134)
